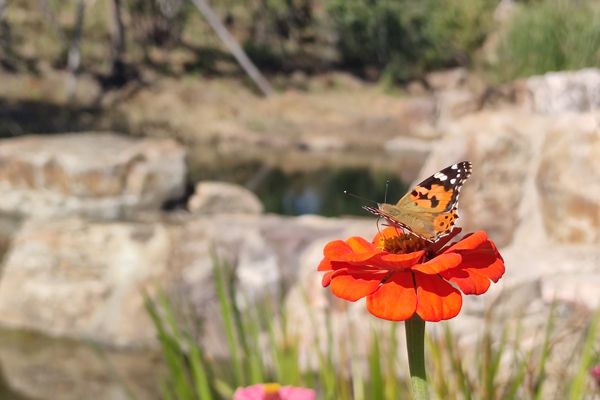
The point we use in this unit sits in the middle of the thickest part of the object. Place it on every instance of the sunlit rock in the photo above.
(95, 174)
(221, 197)
(82, 279)
(565, 91)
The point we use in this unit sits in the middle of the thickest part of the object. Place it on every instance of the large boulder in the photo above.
(94, 174)
(535, 177)
(223, 198)
(565, 91)
(85, 279)
(82, 279)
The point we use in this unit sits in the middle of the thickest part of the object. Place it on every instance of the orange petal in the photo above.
(398, 261)
(493, 271)
(326, 280)
(325, 265)
(360, 245)
(436, 298)
(395, 300)
(439, 264)
(468, 280)
(356, 249)
(387, 233)
(351, 286)
(469, 242)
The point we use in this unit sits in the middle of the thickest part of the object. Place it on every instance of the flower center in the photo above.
(402, 243)
(271, 391)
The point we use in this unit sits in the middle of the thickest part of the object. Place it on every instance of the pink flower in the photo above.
(273, 391)
(596, 374)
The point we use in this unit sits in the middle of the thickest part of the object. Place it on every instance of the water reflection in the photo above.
(314, 192)
(37, 367)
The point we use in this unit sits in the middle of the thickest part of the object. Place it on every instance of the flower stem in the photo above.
(415, 344)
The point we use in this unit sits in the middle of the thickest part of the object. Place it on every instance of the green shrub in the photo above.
(407, 38)
(550, 35)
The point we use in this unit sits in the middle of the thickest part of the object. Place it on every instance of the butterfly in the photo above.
(429, 210)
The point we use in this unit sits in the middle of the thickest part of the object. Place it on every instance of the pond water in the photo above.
(319, 191)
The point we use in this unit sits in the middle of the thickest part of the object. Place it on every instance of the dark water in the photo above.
(314, 192)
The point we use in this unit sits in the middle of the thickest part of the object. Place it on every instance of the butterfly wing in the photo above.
(430, 209)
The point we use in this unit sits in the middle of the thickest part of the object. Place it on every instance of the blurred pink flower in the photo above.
(273, 391)
(596, 374)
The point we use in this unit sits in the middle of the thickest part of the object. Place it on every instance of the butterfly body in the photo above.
(429, 211)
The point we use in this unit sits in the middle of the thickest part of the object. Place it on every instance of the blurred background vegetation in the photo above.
(394, 40)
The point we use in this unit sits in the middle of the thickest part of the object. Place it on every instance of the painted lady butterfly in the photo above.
(429, 210)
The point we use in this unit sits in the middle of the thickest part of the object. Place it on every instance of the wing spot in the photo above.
(453, 181)
(434, 202)
(441, 176)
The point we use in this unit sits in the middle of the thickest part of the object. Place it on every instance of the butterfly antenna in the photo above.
(347, 193)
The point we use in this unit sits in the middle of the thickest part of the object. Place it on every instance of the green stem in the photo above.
(415, 344)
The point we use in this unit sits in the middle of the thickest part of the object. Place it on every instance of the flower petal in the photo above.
(485, 259)
(395, 300)
(352, 285)
(477, 268)
(398, 261)
(468, 242)
(325, 265)
(387, 233)
(326, 280)
(439, 264)
(468, 280)
(254, 392)
(297, 393)
(475, 280)
(355, 249)
(436, 298)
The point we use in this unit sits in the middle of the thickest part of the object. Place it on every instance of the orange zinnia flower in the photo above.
(401, 274)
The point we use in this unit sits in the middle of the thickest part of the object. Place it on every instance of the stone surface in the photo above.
(534, 176)
(565, 91)
(447, 79)
(95, 174)
(403, 145)
(223, 198)
(455, 103)
(36, 367)
(568, 180)
(82, 279)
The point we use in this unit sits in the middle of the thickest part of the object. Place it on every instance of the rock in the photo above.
(323, 144)
(95, 174)
(414, 146)
(223, 198)
(522, 163)
(565, 91)
(416, 88)
(455, 103)
(447, 79)
(82, 279)
(36, 367)
(568, 180)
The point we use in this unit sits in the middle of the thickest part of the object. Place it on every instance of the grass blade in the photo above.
(587, 356)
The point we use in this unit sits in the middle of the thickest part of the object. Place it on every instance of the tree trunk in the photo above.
(215, 23)
(117, 42)
(74, 56)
